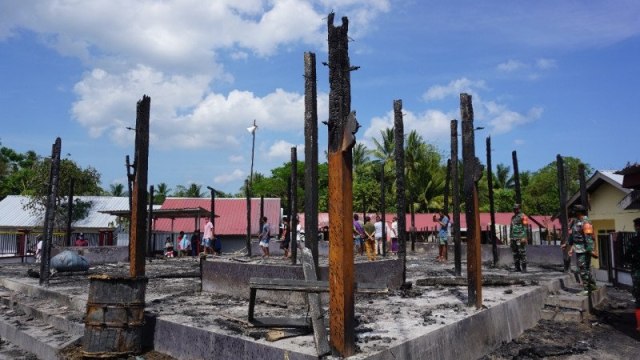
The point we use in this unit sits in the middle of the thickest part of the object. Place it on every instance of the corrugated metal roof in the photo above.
(232, 214)
(14, 215)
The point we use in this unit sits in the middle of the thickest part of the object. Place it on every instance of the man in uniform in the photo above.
(518, 236)
(632, 256)
(581, 241)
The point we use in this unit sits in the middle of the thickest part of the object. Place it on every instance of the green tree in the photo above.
(541, 195)
(193, 191)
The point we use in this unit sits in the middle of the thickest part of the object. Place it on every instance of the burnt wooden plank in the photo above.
(315, 305)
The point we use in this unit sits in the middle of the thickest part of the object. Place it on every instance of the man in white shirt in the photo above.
(378, 234)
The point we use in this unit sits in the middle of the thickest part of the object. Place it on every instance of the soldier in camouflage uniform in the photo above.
(632, 255)
(581, 241)
(518, 236)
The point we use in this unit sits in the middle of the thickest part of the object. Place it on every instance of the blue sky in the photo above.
(547, 77)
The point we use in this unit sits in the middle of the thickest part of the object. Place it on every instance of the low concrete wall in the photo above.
(98, 254)
(232, 278)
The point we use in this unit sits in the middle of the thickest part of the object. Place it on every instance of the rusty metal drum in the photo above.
(115, 316)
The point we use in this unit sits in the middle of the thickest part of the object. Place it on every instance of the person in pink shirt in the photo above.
(207, 238)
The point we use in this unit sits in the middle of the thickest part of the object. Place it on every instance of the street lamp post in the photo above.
(252, 129)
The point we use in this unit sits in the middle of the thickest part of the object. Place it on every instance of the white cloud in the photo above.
(545, 64)
(502, 119)
(511, 65)
(519, 142)
(235, 175)
(455, 87)
(236, 159)
(281, 149)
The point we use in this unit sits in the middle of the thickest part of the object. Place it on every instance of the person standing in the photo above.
(443, 235)
(265, 235)
(581, 241)
(207, 238)
(370, 238)
(378, 226)
(285, 237)
(195, 243)
(632, 256)
(518, 236)
(358, 234)
(394, 235)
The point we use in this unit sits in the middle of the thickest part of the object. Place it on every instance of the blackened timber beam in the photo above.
(492, 208)
(398, 137)
(139, 196)
(455, 191)
(311, 156)
(50, 210)
(516, 178)
(564, 219)
(472, 174)
(293, 220)
(342, 126)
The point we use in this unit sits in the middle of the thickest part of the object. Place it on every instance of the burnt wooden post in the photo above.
(447, 185)
(492, 209)
(311, 157)
(149, 251)
(584, 197)
(342, 126)
(472, 174)
(50, 212)
(516, 177)
(261, 222)
(564, 219)
(248, 196)
(293, 221)
(413, 225)
(398, 137)
(383, 210)
(455, 191)
(69, 212)
(129, 167)
(139, 197)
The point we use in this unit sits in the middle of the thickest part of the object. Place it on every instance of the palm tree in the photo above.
(117, 190)
(194, 190)
(161, 193)
(501, 178)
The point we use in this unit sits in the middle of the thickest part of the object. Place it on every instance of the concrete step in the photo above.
(32, 334)
(556, 314)
(569, 305)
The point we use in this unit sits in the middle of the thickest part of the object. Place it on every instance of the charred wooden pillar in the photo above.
(261, 222)
(472, 174)
(248, 199)
(342, 126)
(455, 191)
(50, 211)
(564, 219)
(492, 209)
(516, 178)
(293, 220)
(413, 225)
(447, 185)
(139, 197)
(149, 251)
(398, 137)
(584, 197)
(383, 210)
(311, 156)
(69, 213)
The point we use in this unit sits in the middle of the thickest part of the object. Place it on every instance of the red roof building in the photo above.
(231, 215)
